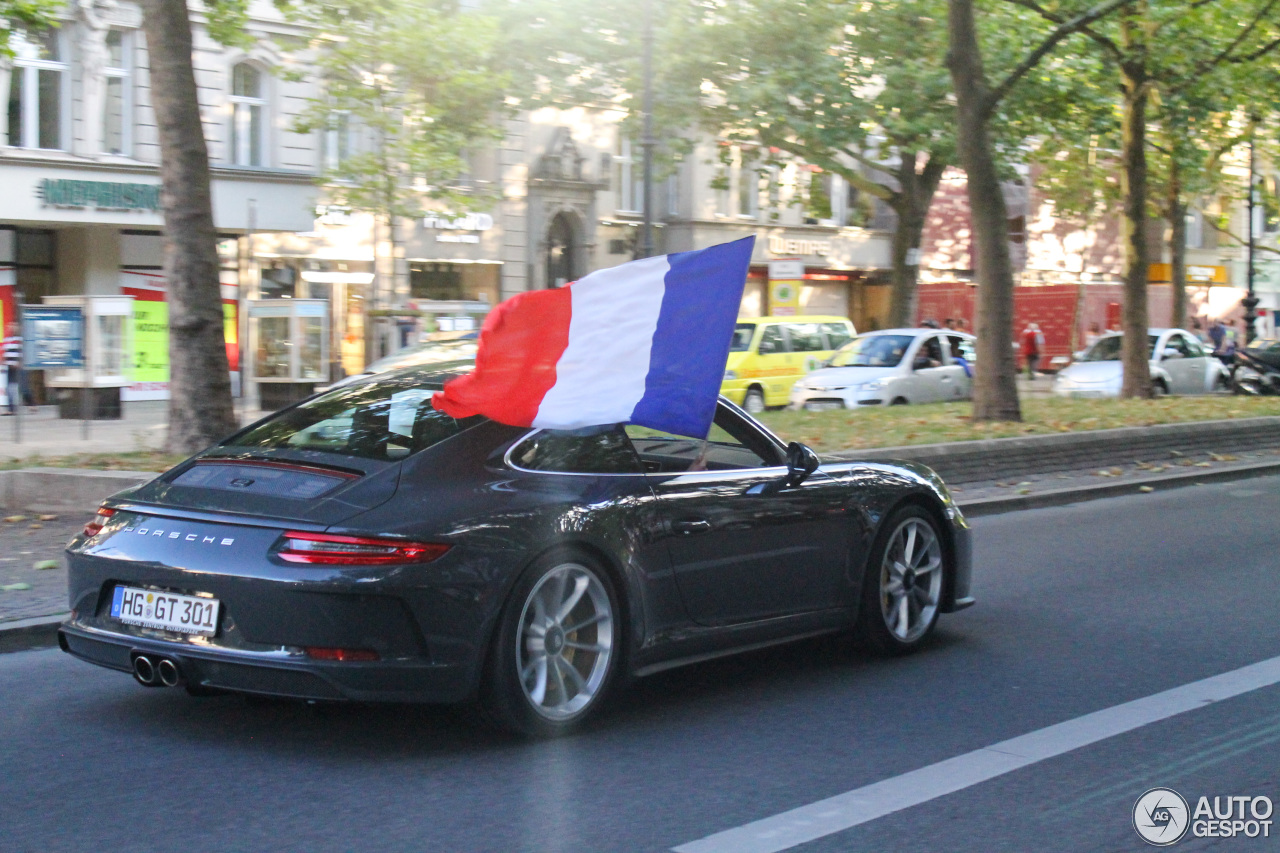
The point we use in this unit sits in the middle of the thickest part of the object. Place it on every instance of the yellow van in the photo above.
(769, 354)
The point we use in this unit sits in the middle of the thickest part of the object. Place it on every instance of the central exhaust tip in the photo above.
(144, 670)
(168, 673)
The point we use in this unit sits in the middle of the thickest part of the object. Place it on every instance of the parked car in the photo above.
(889, 368)
(362, 545)
(769, 354)
(447, 348)
(1179, 365)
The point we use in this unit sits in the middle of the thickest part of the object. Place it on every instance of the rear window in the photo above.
(386, 420)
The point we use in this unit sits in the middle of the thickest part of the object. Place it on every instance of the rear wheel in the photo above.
(902, 587)
(898, 401)
(555, 651)
(754, 401)
(1159, 389)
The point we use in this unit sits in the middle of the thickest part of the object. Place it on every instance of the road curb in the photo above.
(19, 634)
(1078, 494)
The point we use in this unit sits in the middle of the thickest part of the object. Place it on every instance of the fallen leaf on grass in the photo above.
(1203, 464)
(48, 517)
(44, 565)
(35, 526)
(14, 519)
(1222, 457)
(1145, 489)
(1024, 491)
(1025, 483)
(16, 587)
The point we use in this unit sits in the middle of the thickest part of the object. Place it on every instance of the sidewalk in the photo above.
(144, 427)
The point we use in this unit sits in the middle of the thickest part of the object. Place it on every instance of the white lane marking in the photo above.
(847, 810)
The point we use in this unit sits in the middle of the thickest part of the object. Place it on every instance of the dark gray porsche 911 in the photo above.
(364, 546)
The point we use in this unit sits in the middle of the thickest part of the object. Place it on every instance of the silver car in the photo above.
(891, 367)
(1179, 365)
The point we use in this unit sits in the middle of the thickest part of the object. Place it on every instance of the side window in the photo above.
(961, 348)
(1193, 348)
(930, 350)
(772, 341)
(837, 335)
(1179, 343)
(593, 450)
(805, 337)
(730, 446)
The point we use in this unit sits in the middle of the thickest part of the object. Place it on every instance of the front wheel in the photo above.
(902, 586)
(554, 653)
(754, 401)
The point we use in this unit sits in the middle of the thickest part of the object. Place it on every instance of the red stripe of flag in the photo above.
(520, 343)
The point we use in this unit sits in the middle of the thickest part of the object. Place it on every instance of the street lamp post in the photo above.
(1250, 302)
(647, 141)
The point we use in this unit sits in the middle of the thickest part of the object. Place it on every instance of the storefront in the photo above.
(76, 229)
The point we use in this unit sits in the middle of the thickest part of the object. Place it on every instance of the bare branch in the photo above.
(1209, 220)
(1078, 24)
(831, 164)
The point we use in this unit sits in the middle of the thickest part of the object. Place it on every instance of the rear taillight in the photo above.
(93, 528)
(326, 653)
(333, 550)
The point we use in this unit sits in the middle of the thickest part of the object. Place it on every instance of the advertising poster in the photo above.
(52, 337)
(151, 344)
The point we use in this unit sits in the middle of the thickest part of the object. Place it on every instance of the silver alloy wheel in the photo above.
(911, 580)
(753, 402)
(565, 641)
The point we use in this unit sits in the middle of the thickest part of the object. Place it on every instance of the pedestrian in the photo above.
(1091, 336)
(12, 354)
(950, 324)
(929, 323)
(1197, 329)
(1032, 346)
(1216, 334)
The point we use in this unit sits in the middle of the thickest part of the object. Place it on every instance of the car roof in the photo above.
(922, 330)
(798, 318)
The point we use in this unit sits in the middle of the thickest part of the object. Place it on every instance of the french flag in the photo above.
(644, 343)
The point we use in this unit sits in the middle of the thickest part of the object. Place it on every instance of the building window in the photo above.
(37, 91)
(337, 140)
(436, 281)
(248, 115)
(1195, 230)
(673, 196)
(117, 108)
(628, 176)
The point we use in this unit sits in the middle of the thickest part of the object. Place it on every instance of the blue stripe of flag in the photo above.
(691, 343)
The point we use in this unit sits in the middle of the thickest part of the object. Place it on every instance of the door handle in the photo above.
(691, 525)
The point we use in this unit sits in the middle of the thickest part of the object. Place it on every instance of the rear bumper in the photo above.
(279, 673)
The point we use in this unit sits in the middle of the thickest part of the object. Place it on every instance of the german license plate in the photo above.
(165, 610)
(824, 405)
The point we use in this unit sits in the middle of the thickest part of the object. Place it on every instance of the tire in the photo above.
(754, 401)
(898, 401)
(541, 680)
(908, 548)
(1159, 389)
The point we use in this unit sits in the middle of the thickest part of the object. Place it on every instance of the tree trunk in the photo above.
(1133, 178)
(1176, 208)
(200, 407)
(995, 392)
(912, 202)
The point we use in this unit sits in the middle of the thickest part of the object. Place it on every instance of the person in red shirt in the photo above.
(1032, 346)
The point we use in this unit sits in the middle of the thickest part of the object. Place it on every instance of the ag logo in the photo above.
(1161, 817)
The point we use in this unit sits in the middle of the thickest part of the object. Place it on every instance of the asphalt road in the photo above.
(1080, 609)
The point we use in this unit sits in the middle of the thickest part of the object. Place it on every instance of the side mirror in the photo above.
(801, 462)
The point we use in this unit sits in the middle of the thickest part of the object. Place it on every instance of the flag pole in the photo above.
(647, 141)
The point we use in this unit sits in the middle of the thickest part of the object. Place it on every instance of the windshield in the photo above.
(742, 334)
(385, 420)
(1108, 348)
(872, 351)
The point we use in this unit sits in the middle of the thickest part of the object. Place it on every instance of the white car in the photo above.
(891, 367)
(1179, 365)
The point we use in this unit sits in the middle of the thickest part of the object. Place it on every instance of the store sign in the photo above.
(788, 246)
(1197, 274)
(785, 280)
(100, 194)
(52, 337)
(468, 222)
